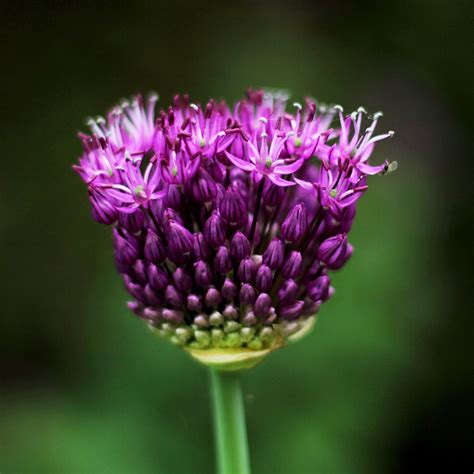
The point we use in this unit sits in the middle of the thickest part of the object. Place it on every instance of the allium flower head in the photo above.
(228, 220)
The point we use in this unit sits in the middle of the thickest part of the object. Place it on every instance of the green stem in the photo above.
(229, 423)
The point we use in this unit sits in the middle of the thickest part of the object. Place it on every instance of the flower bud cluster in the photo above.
(227, 221)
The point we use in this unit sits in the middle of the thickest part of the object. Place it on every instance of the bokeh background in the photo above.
(385, 382)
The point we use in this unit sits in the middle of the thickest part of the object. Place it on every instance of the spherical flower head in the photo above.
(227, 221)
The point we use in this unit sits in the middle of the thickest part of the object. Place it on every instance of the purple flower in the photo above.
(180, 240)
(215, 230)
(247, 270)
(126, 247)
(154, 249)
(262, 305)
(239, 246)
(294, 226)
(274, 254)
(288, 292)
(233, 208)
(335, 251)
(222, 261)
(292, 265)
(264, 278)
(318, 290)
(263, 157)
(227, 220)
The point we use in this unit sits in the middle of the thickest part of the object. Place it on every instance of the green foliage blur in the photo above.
(384, 383)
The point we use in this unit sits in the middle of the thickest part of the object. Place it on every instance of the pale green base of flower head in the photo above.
(233, 346)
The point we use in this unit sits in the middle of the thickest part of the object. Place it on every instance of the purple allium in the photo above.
(226, 220)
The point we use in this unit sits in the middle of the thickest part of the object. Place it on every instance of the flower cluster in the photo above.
(226, 221)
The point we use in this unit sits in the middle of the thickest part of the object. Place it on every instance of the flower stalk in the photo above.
(232, 456)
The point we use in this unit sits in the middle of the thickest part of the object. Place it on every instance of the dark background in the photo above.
(384, 383)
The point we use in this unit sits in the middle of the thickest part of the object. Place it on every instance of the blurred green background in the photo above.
(385, 382)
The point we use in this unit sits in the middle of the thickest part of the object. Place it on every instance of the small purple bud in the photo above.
(247, 294)
(216, 170)
(292, 266)
(152, 297)
(257, 235)
(347, 216)
(295, 223)
(233, 209)
(154, 249)
(180, 241)
(230, 312)
(170, 214)
(329, 226)
(264, 278)
(229, 289)
(287, 293)
(310, 307)
(136, 307)
(203, 187)
(213, 297)
(314, 271)
(174, 297)
(134, 289)
(273, 256)
(247, 270)
(215, 230)
(133, 222)
(273, 195)
(222, 261)
(262, 305)
(156, 209)
(157, 277)
(202, 274)
(173, 197)
(334, 251)
(126, 248)
(239, 246)
(173, 315)
(318, 290)
(201, 250)
(103, 211)
(271, 316)
(139, 269)
(152, 314)
(292, 311)
(182, 281)
(201, 320)
(194, 303)
(249, 319)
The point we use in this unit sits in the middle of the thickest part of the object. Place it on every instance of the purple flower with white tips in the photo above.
(264, 158)
(226, 220)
